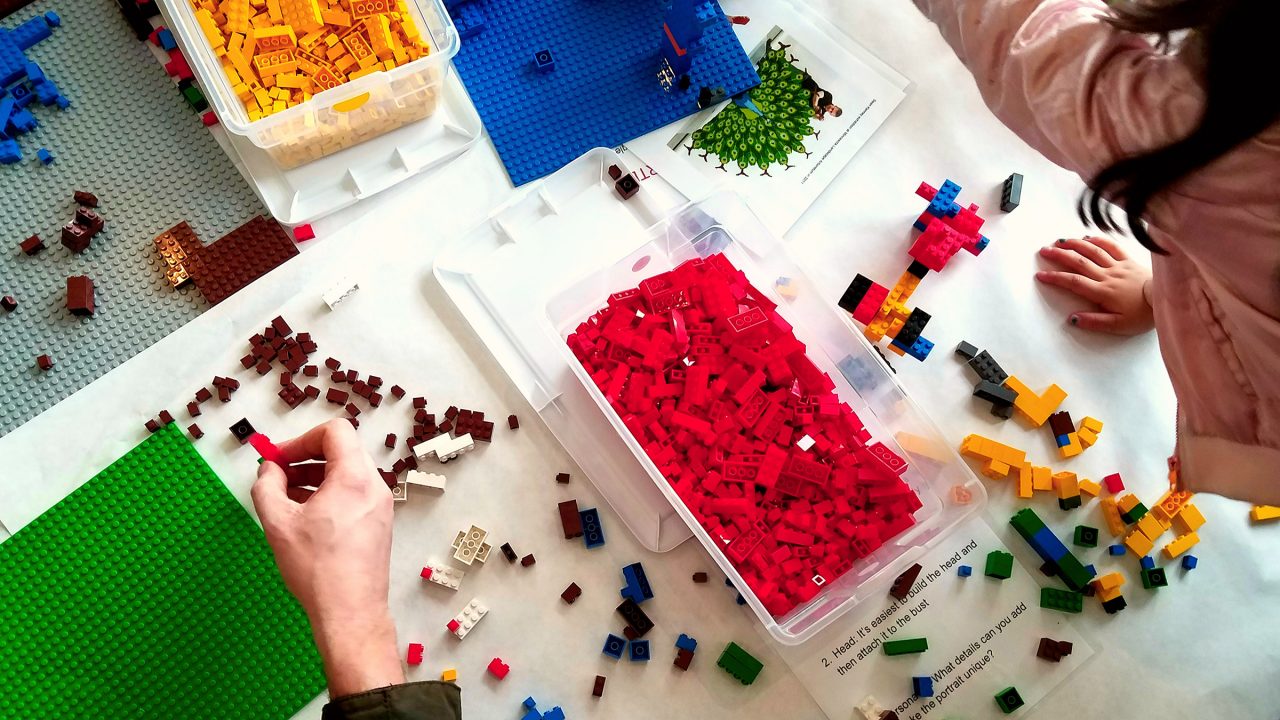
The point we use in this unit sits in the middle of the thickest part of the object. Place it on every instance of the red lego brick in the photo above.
(31, 245)
(527, 560)
(80, 295)
(683, 659)
(1114, 483)
(333, 364)
(196, 432)
(355, 423)
(9, 303)
(453, 625)
(303, 232)
(397, 392)
(352, 410)
(203, 394)
(243, 255)
(419, 403)
(571, 593)
(902, 585)
(513, 422)
(193, 409)
(499, 669)
(375, 382)
(311, 371)
(570, 521)
(209, 119)
(390, 441)
(414, 654)
(152, 425)
(85, 198)
(312, 392)
(166, 417)
(336, 396)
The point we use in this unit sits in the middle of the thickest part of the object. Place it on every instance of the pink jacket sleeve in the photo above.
(1081, 92)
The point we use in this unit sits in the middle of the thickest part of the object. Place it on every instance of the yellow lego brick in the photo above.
(1066, 484)
(1188, 520)
(995, 469)
(344, 63)
(1263, 513)
(1138, 543)
(1151, 527)
(332, 39)
(1090, 488)
(359, 48)
(1110, 581)
(336, 16)
(280, 93)
(210, 28)
(276, 38)
(1087, 438)
(1026, 488)
(365, 8)
(279, 106)
(311, 39)
(1111, 514)
(325, 79)
(1170, 504)
(1093, 425)
(237, 15)
(449, 675)
(262, 98)
(1034, 408)
(1180, 545)
(1041, 479)
(1127, 502)
(977, 446)
(388, 64)
(875, 330)
(1108, 595)
(275, 62)
(242, 66)
(274, 12)
(401, 56)
(1073, 446)
(304, 15)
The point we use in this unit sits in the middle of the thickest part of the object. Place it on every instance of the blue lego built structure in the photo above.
(23, 82)
(555, 78)
(531, 711)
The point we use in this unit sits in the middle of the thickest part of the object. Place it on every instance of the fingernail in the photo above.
(1075, 319)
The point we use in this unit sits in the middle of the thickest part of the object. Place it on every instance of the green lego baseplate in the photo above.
(149, 592)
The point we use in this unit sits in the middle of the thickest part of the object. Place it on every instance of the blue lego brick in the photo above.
(46, 93)
(23, 121)
(637, 588)
(1189, 562)
(165, 37)
(684, 642)
(1115, 550)
(639, 651)
(922, 686)
(34, 73)
(52, 19)
(740, 600)
(22, 95)
(1062, 440)
(964, 571)
(919, 349)
(1093, 571)
(544, 61)
(604, 91)
(1047, 545)
(468, 17)
(592, 530)
(9, 152)
(1147, 562)
(63, 102)
(45, 156)
(613, 646)
(554, 713)
(7, 106)
(983, 242)
(944, 202)
(26, 35)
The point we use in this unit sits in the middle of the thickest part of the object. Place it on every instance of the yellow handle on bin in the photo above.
(352, 103)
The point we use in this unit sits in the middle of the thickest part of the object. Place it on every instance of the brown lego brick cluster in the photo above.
(80, 295)
(469, 422)
(226, 265)
(1053, 650)
(77, 234)
(277, 343)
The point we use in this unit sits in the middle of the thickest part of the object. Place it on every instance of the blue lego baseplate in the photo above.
(604, 88)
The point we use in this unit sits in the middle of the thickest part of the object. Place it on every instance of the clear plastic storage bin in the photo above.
(526, 278)
(335, 119)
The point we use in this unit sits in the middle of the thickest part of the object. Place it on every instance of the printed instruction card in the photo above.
(983, 634)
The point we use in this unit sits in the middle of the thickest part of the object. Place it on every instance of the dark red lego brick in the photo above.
(203, 394)
(571, 593)
(286, 378)
(683, 659)
(31, 245)
(76, 237)
(375, 381)
(313, 392)
(570, 520)
(336, 396)
(902, 585)
(243, 255)
(281, 327)
(80, 295)
(311, 371)
(397, 392)
(419, 402)
(9, 303)
(242, 430)
(355, 423)
(562, 478)
(699, 577)
(193, 409)
(332, 364)
(263, 367)
(390, 442)
(196, 432)
(513, 422)
(630, 633)
(152, 425)
(508, 552)
(86, 198)
(176, 245)
(375, 400)
(527, 560)
(166, 417)
(352, 410)
(597, 690)
(627, 187)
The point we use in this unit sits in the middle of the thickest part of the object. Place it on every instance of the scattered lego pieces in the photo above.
(635, 617)
(905, 647)
(1011, 193)
(593, 531)
(242, 430)
(499, 669)
(465, 621)
(902, 585)
(570, 519)
(509, 552)
(1008, 700)
(562, 478)
(425, 480)
(571, 594)
(304, 232)
(1063, 600)
(999, 565)
(527, 560)
(739, 663)
(77, 234)
(637, 587)
(513, 422)
(22, 82)
(1086, 536)
(470, 546)
(1053, 650)
(1190, 562)
(31, 245)
(9, 303)
(414, 654)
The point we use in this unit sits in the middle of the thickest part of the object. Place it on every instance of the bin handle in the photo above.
(351, 103)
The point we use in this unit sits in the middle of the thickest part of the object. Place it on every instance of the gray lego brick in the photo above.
(131, 139)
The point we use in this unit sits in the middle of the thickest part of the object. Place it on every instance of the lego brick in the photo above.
(593, 531)
(964, 571)
(498, 669)
(1063, 600)
(1153, 578)
(1189, 562)
(639, 650)
(988, 369)
(902, 585)
(80, 295)
(922, 686)
(1011, 193)
(243, 255)
(430, 482)
(571, 593)
(470, 545)
(465, 621)
(999, 565)
(635, 617)
(570, 520)
(637, 587)
(739, 663)
(525, 110)
(1180, 545)
(1114, 483)
(9, 303)
(1111, 513)
(700, 577)
(508, 552)
(1264, 513)
(443, 575)
(154, 518)
(1008, 700)
(1035, 408)
(413, 656)
(967, 351)
(1086, 536)
(905, 647)
(613, 646)
(527, 560)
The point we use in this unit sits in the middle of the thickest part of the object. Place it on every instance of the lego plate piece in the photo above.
(978, 639)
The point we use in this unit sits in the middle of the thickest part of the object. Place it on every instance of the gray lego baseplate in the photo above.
(131, 139)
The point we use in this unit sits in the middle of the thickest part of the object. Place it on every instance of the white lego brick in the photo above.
(400, 492)
(470, 545)
(465, 621)
(428, 481)
(339, 292)
(444, 575)
(869, 708)
(445, 448)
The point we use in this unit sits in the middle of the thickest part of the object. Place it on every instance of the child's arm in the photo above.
(1078, 90)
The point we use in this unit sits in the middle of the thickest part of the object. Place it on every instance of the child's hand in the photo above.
(1097, 270)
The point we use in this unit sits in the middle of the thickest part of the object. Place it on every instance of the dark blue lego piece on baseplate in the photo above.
(544, 61)
(639, 651)
(468, 17)
(592, 530)
(45, 156)
(684, 642)
(637, 588)
(605, 89)
(613, 646)
(9, 152)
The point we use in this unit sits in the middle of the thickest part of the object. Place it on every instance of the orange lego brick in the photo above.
(1109, 595)
(1066, 484)
(1148, 525)
(976, 446)
(272, 63)
(1138, 543)
(1026, 486)
(1041, 478)
(1126, 502)
(1180, 545)
(1033, 408)
(1090, 488)
(1073, 446)
(1188, 520)
(1263, 513)
(1111, 514)
(1110, 581)
(1093, 425)
(365, 8)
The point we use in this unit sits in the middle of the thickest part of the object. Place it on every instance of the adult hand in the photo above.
(333, 547)
(1097, 270)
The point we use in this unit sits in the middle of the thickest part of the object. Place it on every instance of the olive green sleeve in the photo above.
(432, 700)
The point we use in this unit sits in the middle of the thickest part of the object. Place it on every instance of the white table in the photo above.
(1152, 656)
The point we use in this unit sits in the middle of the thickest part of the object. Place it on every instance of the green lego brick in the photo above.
(149, 592)
(1154, 578)
(1009, 700)
(740, 664)
(1072, 572)
(1055, 599)
(1086, 536)
(999, 565)
(906, 647)
(1026, 522)
(1135, 514)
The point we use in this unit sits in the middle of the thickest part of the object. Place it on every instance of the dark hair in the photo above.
(1239, 45)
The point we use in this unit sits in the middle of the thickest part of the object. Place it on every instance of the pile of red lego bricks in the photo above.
(712, 382)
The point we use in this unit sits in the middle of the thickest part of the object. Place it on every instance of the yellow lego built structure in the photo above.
(278, 53)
